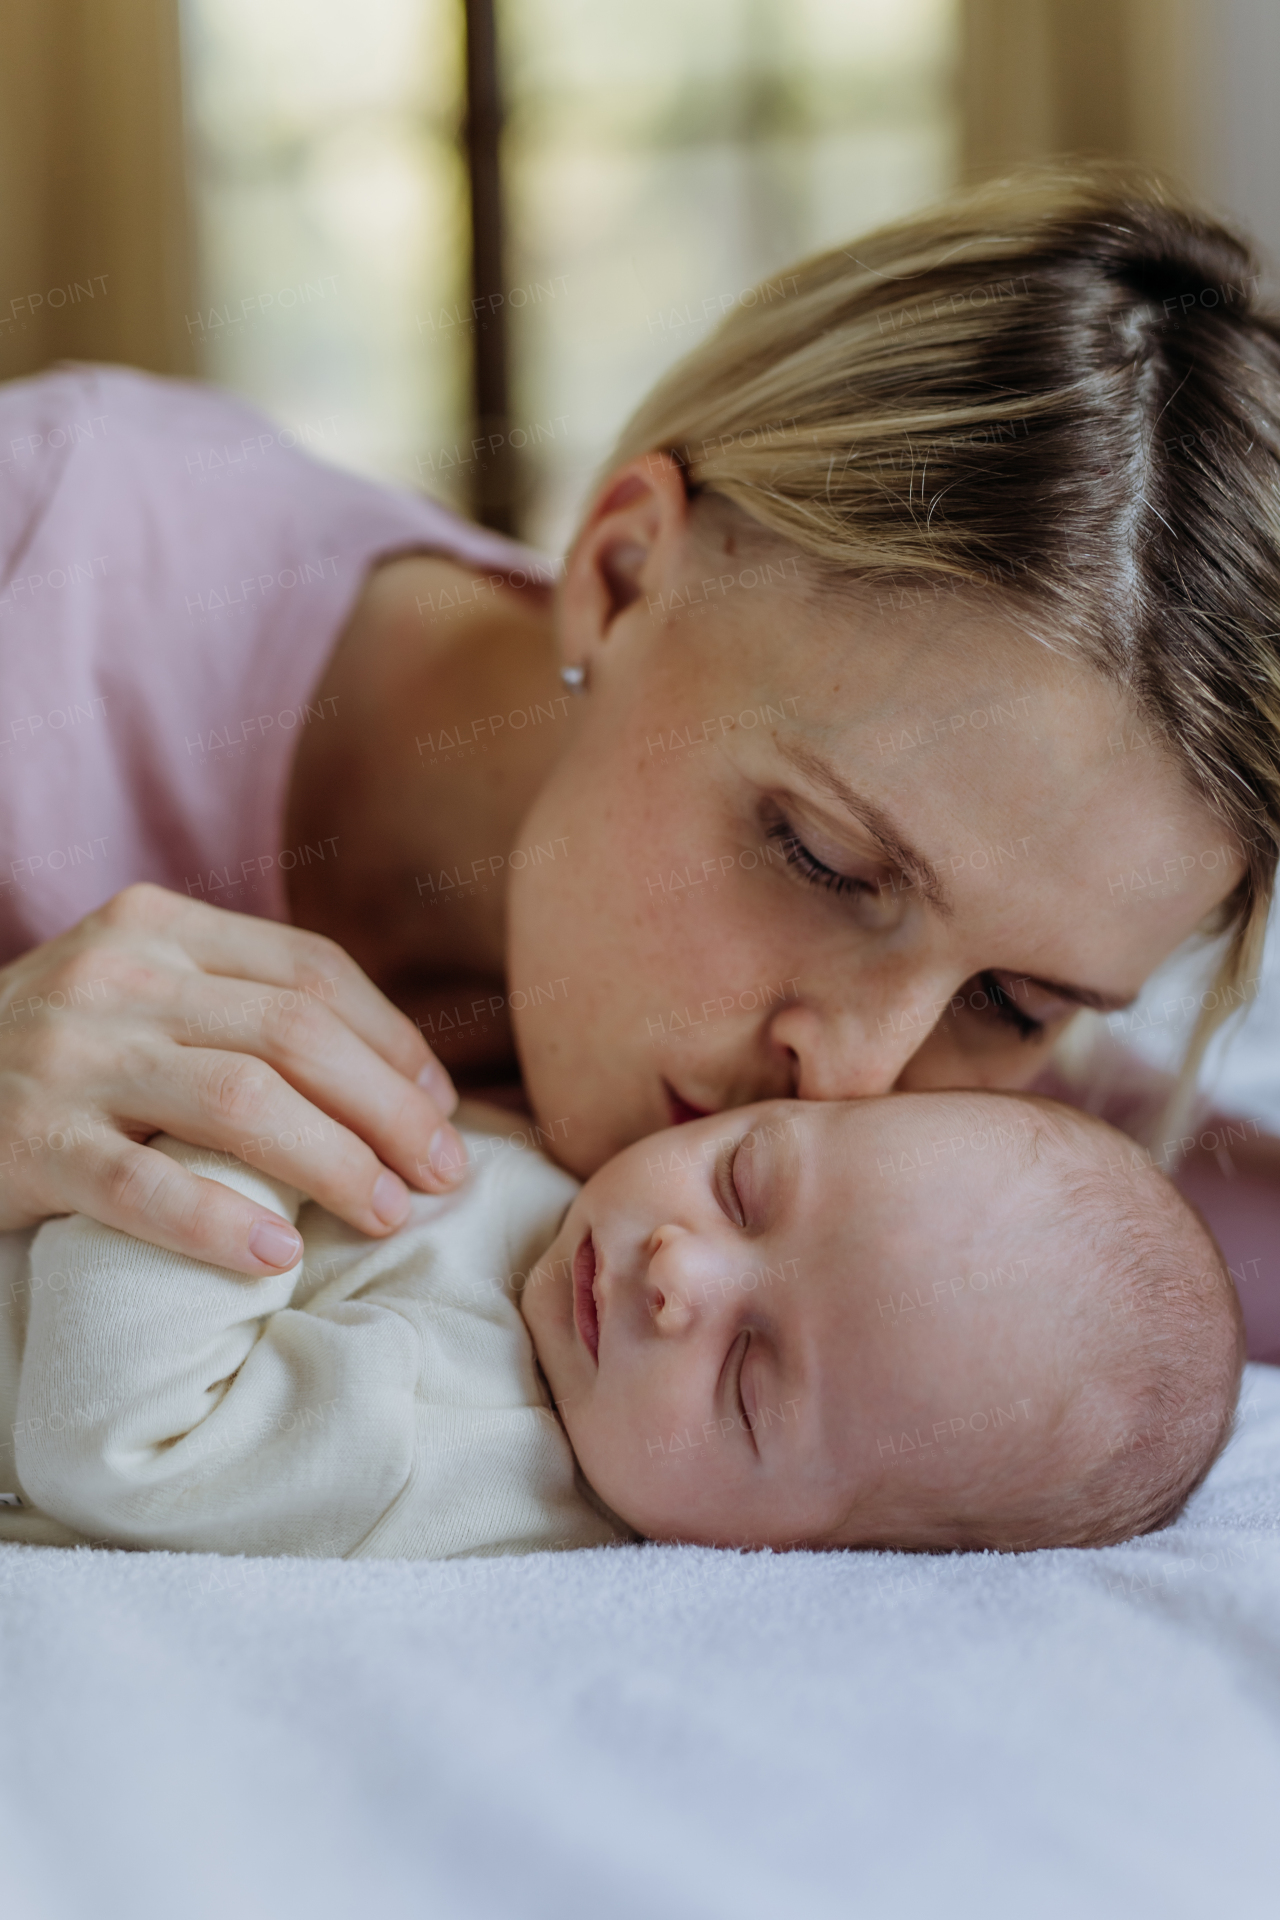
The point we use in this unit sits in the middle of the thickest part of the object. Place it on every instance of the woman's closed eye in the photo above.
(1014, 1002)
(875, 892)
(1006, 1009)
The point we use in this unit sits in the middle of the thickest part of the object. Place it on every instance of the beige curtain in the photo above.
(95, 245)
(1124, 78)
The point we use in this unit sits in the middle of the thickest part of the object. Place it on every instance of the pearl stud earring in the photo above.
(575, 678)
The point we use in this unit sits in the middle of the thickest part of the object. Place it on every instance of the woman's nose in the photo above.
(851, 1054)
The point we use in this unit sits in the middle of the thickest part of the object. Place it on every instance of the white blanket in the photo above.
(656, 1733)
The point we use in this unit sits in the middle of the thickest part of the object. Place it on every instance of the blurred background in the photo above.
(450, 243)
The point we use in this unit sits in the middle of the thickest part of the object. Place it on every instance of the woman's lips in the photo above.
(682, 1111)
(586, 1315)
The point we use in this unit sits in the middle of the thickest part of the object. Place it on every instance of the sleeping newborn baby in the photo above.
(930, 1320)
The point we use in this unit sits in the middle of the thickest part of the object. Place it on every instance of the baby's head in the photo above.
(930, 1321)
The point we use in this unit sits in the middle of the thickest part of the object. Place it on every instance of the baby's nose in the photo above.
(670, 1309)
(669, 1297)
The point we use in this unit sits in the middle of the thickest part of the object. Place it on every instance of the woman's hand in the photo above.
(160, 1014)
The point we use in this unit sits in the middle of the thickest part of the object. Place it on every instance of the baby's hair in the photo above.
(1150, 1342)
(1157, 1334)
(1164, 1362)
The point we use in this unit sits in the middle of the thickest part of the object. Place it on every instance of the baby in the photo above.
(925, 1321)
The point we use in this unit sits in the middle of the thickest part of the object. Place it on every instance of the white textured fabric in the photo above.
(379, 1399)
(656, 1733)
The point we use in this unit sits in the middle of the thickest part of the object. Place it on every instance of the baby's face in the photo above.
(721, 1318)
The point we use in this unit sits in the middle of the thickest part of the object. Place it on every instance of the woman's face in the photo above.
(823, 848)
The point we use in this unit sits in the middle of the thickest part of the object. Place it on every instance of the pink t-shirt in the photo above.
(174, 575)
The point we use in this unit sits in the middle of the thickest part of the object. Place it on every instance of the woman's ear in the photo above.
(631, 543)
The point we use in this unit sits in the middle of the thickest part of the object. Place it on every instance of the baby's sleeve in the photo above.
(165, 1402)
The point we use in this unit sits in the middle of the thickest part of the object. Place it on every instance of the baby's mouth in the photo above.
(586, 1315)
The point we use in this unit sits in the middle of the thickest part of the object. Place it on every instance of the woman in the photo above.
(920, 688)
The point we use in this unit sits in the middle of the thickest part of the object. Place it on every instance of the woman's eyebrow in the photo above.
(891, 841)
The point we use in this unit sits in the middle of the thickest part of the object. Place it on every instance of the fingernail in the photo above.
(435, 1081)
(390, 1199)
(274, 1244)
(447, 1155)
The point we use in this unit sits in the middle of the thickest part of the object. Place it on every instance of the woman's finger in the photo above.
(241, 947)
(117, 1032)
(147, 1195)
(405, 1124)
(235, 1103)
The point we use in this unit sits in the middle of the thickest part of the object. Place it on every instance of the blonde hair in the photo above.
(1059, 385)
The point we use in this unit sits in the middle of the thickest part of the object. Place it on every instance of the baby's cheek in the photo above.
(616, 1449)
(623, 1450)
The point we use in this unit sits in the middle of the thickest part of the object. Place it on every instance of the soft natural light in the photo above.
(331, 212)
(658, 161)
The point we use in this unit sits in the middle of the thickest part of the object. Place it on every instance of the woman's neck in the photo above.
(422, 772)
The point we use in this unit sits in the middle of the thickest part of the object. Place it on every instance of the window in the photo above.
(656, 162)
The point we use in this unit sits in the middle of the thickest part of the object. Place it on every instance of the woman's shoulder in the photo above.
(99, 413)
(208, 463)
(175, 572)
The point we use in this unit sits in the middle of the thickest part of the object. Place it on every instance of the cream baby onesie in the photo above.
(380, 1399)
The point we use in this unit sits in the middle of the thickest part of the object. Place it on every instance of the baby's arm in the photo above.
(168, 1403)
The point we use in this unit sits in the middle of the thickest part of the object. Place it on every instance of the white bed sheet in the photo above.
(655, 1733)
